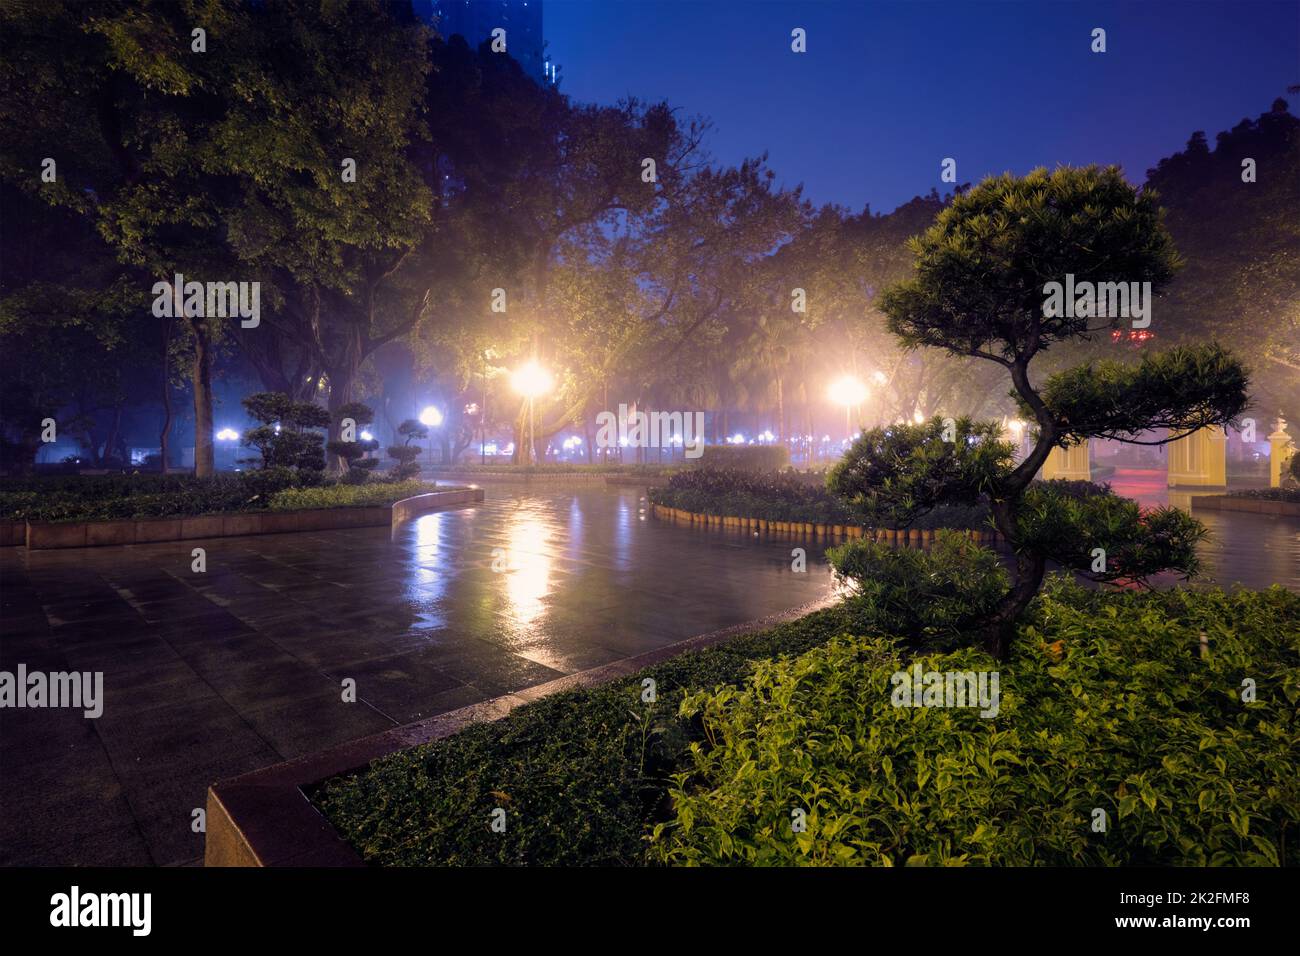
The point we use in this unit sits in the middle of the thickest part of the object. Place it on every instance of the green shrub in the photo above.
(773, 496)
(1107, 704)
(928, 597)
(111, 497)
(786, 496)
(350, 495)
(744, 457)
(1269, 494)
(285, 439)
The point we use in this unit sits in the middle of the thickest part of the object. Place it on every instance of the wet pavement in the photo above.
(1253, 550)
(209, 675)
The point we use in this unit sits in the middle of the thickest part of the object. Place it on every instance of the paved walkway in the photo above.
(210, 675)
(214, 674)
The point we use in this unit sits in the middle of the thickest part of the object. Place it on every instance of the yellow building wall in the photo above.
(1199, 460)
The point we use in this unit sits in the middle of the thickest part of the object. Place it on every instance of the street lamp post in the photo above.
(848, 391)
(431, 418)
(531, 380)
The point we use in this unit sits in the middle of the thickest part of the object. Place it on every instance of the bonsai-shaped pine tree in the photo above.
(285, 438)
(979, 291)
(405, 454)
(350, 446)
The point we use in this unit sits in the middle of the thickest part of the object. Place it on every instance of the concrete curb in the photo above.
(264, 818)
(913, 537)
(1264, 506)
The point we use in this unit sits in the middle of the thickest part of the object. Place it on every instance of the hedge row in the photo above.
(111, 497)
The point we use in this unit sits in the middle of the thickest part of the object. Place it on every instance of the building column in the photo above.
(1280, 450)
(1199, 460)
(1072, 464)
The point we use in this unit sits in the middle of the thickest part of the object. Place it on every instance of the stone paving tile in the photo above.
(211, 675)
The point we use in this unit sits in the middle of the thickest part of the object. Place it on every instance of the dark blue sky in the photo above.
(887, 90)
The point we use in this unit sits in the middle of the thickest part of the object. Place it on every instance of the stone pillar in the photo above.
(1073, 463)
(1280, 450)
(1199, 460)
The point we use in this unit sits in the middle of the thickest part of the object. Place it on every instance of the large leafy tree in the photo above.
(1239, 229)
(979, 291)
(221, 157)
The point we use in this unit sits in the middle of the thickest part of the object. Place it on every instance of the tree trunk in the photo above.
(201, 382)
(164, 437)
(342, 381)
(780, 410)
(1000, 629)
(110, 442)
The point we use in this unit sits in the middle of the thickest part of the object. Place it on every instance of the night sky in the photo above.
(887, 90)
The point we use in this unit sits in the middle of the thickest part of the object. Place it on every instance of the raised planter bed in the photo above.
(1264, 506)
(44, 535)
(266, 818)
(914, 537)
(609, 478)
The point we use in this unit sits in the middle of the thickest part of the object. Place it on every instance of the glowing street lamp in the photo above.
(531, 381)
(848, 391)
(431, 418)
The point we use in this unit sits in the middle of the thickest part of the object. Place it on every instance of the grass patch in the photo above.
(352, 496)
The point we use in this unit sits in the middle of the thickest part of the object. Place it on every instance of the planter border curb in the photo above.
(265, 818)
(915, 537)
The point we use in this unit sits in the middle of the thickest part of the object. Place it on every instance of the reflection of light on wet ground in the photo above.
(528, 578)
(1255, 550)
(428, 578)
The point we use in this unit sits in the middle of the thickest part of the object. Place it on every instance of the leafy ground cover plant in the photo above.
(744, 457)
(789, 496)
(1117, 742)
(348, 495)
(1110, 706)
(1269, 494)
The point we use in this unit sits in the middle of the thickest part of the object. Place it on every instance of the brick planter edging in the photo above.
(911, 536)
(264, 817)
(46, 535)
(1265, 506)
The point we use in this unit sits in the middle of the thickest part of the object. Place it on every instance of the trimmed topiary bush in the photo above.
(287, 436)
(350, 446)
(406, 454)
